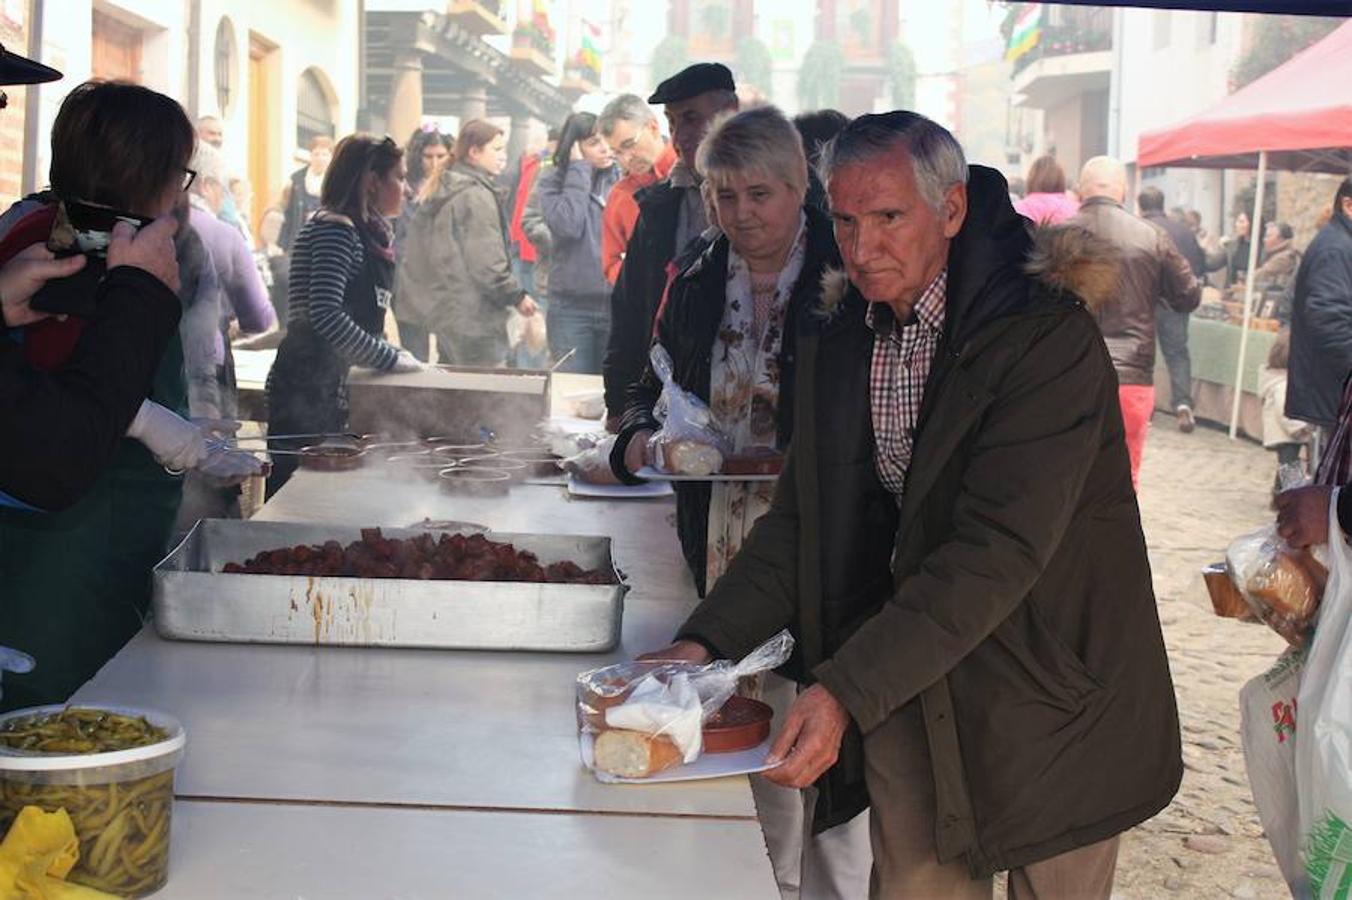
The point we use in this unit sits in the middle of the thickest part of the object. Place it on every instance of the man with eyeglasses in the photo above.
(672, 216)
(629, 126)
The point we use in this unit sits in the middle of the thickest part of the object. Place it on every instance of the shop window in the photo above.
(314, 110)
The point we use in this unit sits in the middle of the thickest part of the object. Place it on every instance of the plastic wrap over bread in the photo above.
(648, 715)
(689, 441)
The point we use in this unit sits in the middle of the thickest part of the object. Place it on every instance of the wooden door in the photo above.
(264, 111)
(116, 49)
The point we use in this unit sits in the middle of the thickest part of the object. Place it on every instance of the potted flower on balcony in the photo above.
(479, 17)
(533, 42)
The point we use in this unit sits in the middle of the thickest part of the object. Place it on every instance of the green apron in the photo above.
(75, 585)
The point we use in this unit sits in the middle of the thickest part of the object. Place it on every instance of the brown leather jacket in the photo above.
(1152, 270)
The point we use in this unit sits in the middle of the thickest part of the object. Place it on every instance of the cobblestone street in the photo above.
(1199, 491)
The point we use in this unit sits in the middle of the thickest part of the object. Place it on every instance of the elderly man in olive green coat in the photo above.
(956, 545)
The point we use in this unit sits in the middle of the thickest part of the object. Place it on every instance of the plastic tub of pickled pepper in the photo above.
(111, 768)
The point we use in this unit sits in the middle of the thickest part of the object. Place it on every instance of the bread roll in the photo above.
(633, 754)
(693, 458)
(1286, 587)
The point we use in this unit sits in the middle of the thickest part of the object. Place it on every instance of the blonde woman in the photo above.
(729, 323)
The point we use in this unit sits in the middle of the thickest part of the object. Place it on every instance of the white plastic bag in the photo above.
(671, 699)
(592, 465)
(1324, 750)
(1268, 721)
(1282, 586)
(689, 441)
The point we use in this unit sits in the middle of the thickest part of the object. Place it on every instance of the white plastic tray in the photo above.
(619, 491)
(709, 765)
(648, 473)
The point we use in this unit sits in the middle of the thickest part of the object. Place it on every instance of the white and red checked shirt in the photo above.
(902, 357)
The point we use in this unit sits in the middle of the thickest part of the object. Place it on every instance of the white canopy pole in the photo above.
(1255, 238)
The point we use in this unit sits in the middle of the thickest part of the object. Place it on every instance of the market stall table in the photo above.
(281, 852)
(1214, 347)
(454, 734)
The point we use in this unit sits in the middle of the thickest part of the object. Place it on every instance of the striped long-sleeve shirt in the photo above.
(327, 256)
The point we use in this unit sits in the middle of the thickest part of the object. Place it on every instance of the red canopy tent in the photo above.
(1299, 113)
(1298, 117)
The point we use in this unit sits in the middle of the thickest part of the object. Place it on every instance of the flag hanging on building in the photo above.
(1027, 31)
(589, 54)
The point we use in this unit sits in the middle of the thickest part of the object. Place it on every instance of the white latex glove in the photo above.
(224, 467)
(216, 428)
(406, 362)
(592, 466)
(176, 443)
(15, 661)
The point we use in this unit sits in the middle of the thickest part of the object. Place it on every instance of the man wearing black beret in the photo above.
(671, 215)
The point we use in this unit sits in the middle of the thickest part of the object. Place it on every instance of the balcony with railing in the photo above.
(1073, 55)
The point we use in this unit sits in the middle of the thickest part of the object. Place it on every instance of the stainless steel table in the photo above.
(422, 749)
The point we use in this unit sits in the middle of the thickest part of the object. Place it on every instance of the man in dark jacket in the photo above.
(958, 458)
(671, 214)
(1173, 325)
(1153, 272)
(1321, 319)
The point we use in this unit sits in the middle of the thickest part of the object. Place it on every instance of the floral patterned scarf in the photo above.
(744, 383)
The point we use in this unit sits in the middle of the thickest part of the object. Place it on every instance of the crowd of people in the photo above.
(963, 399)
(1162, 283)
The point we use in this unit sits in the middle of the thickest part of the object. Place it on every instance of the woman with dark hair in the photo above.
(456, 276)
(342, 272)
(572, 199)
(76, 582)
(427, 152)
(1045, 200)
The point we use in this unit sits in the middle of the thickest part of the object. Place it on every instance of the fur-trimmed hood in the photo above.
(1065, 259)
(1071, 259)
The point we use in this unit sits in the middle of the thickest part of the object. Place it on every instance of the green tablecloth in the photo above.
(1214, 347)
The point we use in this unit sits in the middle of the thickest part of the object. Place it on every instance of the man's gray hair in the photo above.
(760, 139)
(936, 156)
(624, 108)
(210, 165)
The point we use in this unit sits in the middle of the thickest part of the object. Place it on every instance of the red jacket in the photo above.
(621, 215)
(48, 343)
(530, 168)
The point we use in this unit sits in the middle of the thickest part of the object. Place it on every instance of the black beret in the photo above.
(16, 69)
(693, 81)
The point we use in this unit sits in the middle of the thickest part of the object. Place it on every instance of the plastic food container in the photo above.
(456, 452)
(332, 458)
(514, 468)
(119, 802)
(467, 481)
(539, 463)
(741, 724)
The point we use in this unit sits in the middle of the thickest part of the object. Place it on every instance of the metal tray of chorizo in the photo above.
(298, 583)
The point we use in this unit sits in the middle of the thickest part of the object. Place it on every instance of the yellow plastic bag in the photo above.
(37, 854)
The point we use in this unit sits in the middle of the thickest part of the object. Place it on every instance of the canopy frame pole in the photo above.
(1255, 238)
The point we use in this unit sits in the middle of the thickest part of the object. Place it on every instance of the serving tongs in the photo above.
(320, 435)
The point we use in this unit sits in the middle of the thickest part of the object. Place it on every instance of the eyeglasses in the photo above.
(189, 176)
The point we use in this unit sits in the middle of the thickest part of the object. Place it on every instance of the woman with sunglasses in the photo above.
(342, 273)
